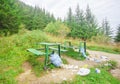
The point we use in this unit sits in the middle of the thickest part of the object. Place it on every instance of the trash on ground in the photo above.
(97, 70)
(83, 71)
(107, 64)
(73, 67)
(98, 59)
(76, 49)
(85, 66)
(104, 58)
(64, 79)
(55, 59)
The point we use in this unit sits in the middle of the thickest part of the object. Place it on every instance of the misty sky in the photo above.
(100, 8)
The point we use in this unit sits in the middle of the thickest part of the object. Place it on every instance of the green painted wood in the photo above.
(36, 52)
(57, 49)
(46, 55)
(50, 44)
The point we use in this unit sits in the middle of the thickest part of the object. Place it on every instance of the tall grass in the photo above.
(100, 44)
(13, 53)
(106, 47)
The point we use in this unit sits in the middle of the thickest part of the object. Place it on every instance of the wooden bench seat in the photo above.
(57, 49)
(36, 52)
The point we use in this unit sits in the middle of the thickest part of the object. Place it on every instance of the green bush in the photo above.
(13, 53)
(57, 28)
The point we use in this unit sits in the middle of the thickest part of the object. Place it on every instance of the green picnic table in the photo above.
(47, 47)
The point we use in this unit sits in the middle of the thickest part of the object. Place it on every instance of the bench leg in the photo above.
(46, 56)
(59, 50)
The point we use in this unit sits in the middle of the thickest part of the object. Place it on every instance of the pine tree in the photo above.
(80, 29)
(69, 18)
(70, 21)
(106, 30)
(83, 25)
(91, 23)
(117, 37)
(9, 20)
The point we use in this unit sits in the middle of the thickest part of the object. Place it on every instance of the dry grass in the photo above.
(100, 46)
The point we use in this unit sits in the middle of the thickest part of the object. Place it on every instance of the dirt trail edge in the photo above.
(115, 57)
(59, 75)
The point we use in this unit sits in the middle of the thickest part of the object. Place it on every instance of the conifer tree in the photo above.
(117, 37)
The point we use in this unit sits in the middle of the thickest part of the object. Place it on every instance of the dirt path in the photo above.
(115, 57)
(59, 75)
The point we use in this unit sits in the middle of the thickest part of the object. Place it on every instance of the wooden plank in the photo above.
(57, 49)
(36, 52)
(66, 46)
(50, 44)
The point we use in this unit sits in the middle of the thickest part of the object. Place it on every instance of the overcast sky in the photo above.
(100, 8)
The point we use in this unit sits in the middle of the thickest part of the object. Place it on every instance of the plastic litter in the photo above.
(83, 71)
(55, 59)
(76, 50)
(64, 79)
(104, 58)
(97, 70)
(97, 60)
(68, 66)
(83, 52)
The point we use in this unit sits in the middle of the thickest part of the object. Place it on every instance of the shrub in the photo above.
(57, 28)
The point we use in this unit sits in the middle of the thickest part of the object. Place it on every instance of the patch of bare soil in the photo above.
(26, 75)
(116, 73)
(54, 76)
(115, 57)
(59, 75)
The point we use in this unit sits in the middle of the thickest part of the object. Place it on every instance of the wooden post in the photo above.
(46, 56)
(85, 46)
(59, 49)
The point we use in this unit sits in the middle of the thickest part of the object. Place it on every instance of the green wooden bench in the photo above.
(47, 52)
(64, 46)
(35, 51)
(61, 50)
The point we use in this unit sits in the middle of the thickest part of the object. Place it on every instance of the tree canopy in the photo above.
(82, 24)
(57, 28)
(14, 13)
(117, 37)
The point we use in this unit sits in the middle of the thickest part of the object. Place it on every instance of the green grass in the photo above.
(94, 78)
(13, 53)
(108, 65)
(75, 55)
(64, 61)
(38, 64)
(104, 49)
(104, 77)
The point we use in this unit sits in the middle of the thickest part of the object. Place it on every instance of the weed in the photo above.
(13, 53)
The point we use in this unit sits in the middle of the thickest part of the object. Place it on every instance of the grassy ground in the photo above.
(104, 77)
(94, 78)
(110, 48)
(99, 46)
(75, 55)
(13, 53)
